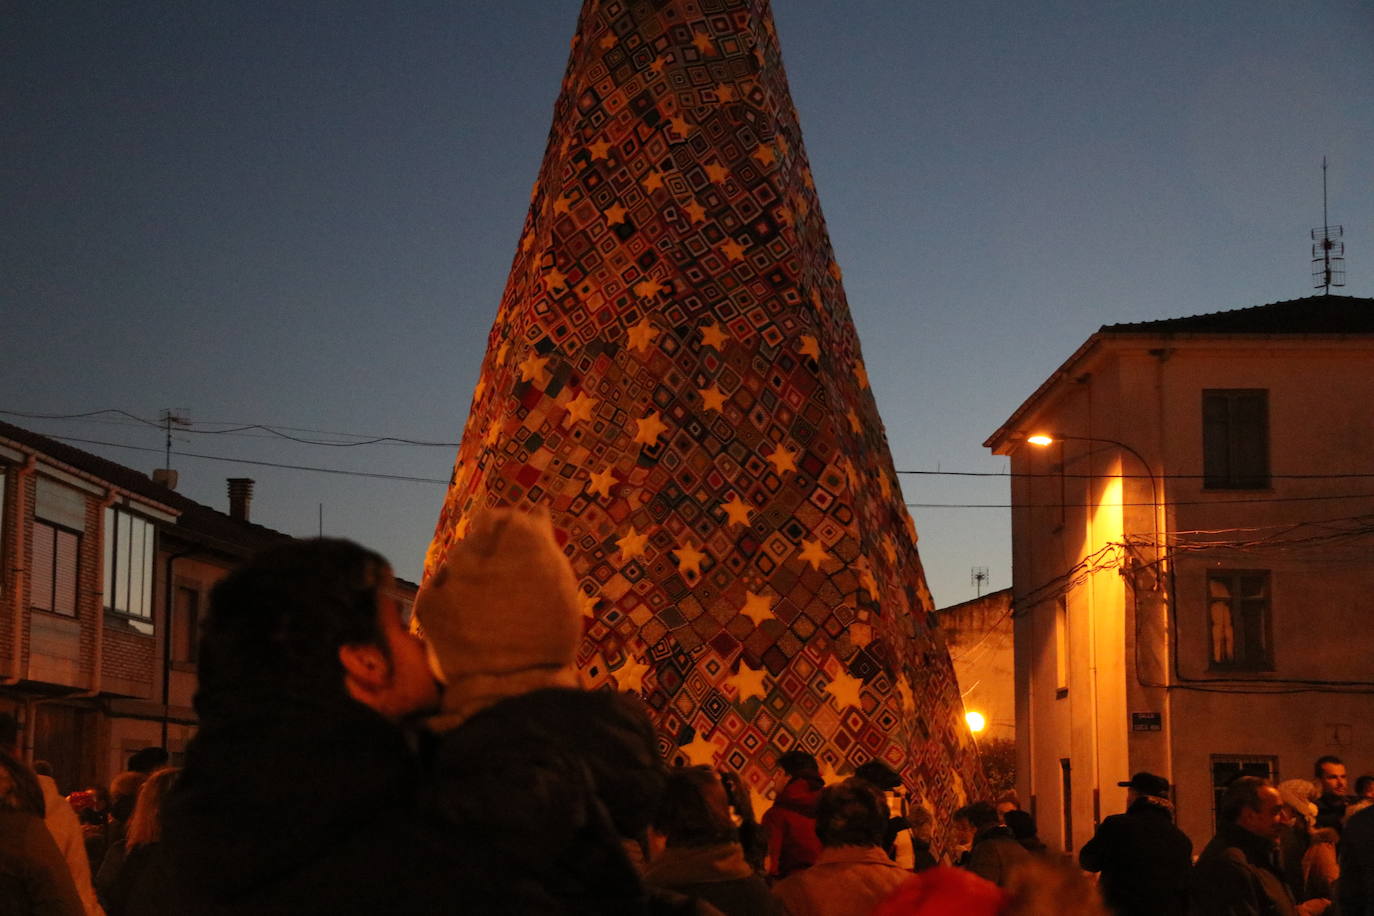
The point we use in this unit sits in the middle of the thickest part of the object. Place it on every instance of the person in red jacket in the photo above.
(790, 825)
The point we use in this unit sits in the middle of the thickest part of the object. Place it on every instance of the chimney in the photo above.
(166, 477)
(240, 495)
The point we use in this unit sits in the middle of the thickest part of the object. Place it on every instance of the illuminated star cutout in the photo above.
(534, 367)
(696, 211)
(712, 335)
(653, 181)
(502, 351)
(783, 459)
(860, 373)
(699, 751)
(681, 126)
(757, 608)
(580, 408)
(733, 250)
(589, 603)
(600, 150)
(811, 347)
(608, 41)
(460, 530)
(478, 391)
(632, 545)
(748, 683)
(630, 676)
(884, 486)
(602, 483)
(854, 423)
(689, 560)
(814, 552)
(765, 155)
(738, 511)
(712, 398)
(845, 689)
(656, 67)
(554, 280)
(650, 428)
(615, 215)
(716, 172)
(829, 775)
(889, 551)
(648, 288)
(642, 334)
(563, 204)
(527, 242)
(704, 44)
(726, 92)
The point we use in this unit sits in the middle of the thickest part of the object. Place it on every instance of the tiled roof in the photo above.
(197, 522)
(1313, 315)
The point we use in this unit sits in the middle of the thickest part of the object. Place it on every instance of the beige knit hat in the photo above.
(501, 614)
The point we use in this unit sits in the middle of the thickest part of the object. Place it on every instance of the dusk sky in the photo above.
(301, 215)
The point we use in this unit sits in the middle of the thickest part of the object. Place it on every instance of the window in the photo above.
(1235, 439)
(1061, 648)
(1226, 768)
(1066, 801)
(185, 625)
(1238, 619)
(128, 564)
(55, 556)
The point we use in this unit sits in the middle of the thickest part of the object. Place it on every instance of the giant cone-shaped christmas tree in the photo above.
(674, 373)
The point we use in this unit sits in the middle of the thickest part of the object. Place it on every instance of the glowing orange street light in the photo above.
(976, 722)
(1040, 439)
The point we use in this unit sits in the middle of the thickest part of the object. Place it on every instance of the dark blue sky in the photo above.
(302, 214)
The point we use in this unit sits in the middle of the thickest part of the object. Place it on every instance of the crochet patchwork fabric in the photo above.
(673, 372)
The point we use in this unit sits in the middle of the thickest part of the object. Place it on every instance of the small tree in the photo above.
(999, 763)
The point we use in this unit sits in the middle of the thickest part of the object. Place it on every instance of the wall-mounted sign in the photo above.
(1147, 722)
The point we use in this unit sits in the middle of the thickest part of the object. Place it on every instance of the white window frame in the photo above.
(130, 545)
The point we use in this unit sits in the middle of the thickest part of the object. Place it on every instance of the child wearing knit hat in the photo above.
(501, 614)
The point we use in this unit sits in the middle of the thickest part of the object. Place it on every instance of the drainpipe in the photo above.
(20, 572)
(98, 661)
(167, 641)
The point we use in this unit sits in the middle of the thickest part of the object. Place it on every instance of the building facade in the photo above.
(980, 640)
(1193, 559)
(104, 580)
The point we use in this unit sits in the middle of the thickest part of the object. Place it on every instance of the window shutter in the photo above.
(40, 580)
(64, 589)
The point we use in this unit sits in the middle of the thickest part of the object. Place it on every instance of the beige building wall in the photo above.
(1113, 672)
(979, 636)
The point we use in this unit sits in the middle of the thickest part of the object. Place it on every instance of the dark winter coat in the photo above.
(1236, 876)
(290, 804)
(995, 853)
(717, 874)
(142, 886)
(1356, 886)
(925, 859)
(34, 878)
(553, 781)
(1144, 860)
(1331, 811)
(790, 826)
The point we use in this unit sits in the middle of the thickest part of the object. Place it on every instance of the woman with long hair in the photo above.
(141, 887)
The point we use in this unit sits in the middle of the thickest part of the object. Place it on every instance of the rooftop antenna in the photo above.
(978, 577)
(172, 416)
(1328, 250)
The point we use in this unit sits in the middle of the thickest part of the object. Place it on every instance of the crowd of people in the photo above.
(347, 762)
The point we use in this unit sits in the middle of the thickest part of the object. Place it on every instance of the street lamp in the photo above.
(976, 721)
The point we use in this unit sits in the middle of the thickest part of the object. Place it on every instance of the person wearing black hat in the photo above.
(1143, 857)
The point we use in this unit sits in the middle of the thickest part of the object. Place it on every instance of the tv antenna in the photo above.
(1328, 249)
(172, 416)
(978, 577)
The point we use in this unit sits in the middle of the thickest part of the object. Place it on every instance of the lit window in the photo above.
(128, 564)
(1238, 619)
(1235, 439)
